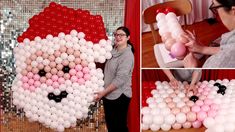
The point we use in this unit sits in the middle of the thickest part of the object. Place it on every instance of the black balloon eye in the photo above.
(42, 73)
(193, 98)
(66, 69)
(64, 94)
(217, 84)
(221, 91)
(222, 87)
(50, 96)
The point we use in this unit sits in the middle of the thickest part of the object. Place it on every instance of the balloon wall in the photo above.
(166, 108)
(171, 32)
(55, 64)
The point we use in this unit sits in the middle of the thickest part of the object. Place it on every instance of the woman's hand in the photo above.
(174, 83)
(193, 88)
(190, 61)
(99, 95)
(192, 44)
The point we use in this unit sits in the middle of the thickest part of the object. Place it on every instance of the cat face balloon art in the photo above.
(55, 65)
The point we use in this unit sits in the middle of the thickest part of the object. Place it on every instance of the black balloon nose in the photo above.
(57, 98)
(193, 98)
(222, 87)
(41, 73)
(66, 69)
(217, 84)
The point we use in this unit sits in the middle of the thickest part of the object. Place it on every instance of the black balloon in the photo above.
(41, 73)
(221, 92)
(217, 84)
(57, 99)
(193, 98)
(66, 69)
(63, 94)
(50, 96)
(222, 87)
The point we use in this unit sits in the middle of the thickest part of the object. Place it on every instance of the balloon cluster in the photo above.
(57, 18)
(174, 108)
(56, 74)
(171, 33)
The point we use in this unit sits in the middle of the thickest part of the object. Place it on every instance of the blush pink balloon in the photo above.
(24, 72)
(30, 82)
(178, 49)
(40, 66)
(197, 124)
(200, 90)
(76, 54)
(61, 80)
(168, 100)
(81, 81)
(85, 70)
(202, 97)
(175, 110)
(185, 109)
(48, 75)
(199, 102)
(51, 58)
(47, 69)
(191, 116)
(45, 55)
(36, 77)
(79, 74)
(55, 85)
(176, 126)
(211, 113)
(74, 79)
(60, 73)
(39, 53)
(33, 57)
(52, 64)
(187, 125)
(205, 93)
(196, 108)
(59, 67)
(201, 115)
(205, 108)
(49, 82)
(57, 53)
(28, 61)
(185, 99)
(77, 60)
(190, 103)
(172, 95)
(43, 79)
(54, 78)
(78, 67)
(63, 49)
(31, 88)
(171, 105)
(87, 77)
(70, 51)
(66, 76)
(24, 79)
(30, 75)
(65, 62)
(25, 85)
(37, 84)
(214, 106)
(54, 71)
(35, 70)
(72, 65)
(72, 72)
(84, 63)
(208, 101)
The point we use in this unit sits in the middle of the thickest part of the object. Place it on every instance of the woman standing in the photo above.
(117, 78)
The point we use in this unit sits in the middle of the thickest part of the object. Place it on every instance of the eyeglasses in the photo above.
(119, 35)
(214, 8)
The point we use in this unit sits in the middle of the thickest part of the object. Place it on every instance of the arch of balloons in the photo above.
(213, 106)
(55, 65)
(171, 32)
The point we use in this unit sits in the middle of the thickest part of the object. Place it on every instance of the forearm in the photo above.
(109, 89)
(209, 50)
(168, 74)
(195, 77)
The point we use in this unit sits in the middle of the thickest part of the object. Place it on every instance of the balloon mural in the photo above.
(171, 32)
(55, 65)
(213, 106)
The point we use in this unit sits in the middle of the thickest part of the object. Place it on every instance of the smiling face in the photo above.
(57, 77)
(227, 17)
(121, 38)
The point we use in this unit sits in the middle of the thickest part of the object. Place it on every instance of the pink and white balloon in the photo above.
(171, 33)
(171, 108)
(57, 77)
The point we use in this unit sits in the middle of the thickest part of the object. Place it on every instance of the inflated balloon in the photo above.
(178, 50)
(55, 65)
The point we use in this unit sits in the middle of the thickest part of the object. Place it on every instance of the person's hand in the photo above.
(99, 95)
(190, 61)
(192, 44)
(174, 83)
(193, 88)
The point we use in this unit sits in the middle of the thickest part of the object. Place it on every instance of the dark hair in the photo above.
(126, 30)
(228, 4)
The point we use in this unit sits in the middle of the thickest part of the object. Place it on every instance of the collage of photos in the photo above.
(117, 66)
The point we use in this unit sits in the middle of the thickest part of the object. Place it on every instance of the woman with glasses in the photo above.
(117, 79)
(223, 56)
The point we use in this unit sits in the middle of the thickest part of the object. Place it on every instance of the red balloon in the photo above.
(169, 9)
(159, 10)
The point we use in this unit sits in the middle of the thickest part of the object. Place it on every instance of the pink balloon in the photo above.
(84, 63)
(171, 105)
(191, 116)
(24, 72)
(49, 82)
(72, 65)
(36, 77)
(35, 70)
(175, 110)
(74, 79)
(185, 109)
(212, 113)
(85, 70)
(54, 71)
(67, 76)
(76, 54)
(29, 68)
(81, 81)
(30, 81)
(205, 108)
(196, 108)
(176, 126)
(214, 106)
(72, 72)
(30, 75)
(45, 55)
(48, 75)
(77, 60)
(65, 62)
(78, 67)
(57, 53)
(87, 77)
(54, 78)
(196, 124)
(199, 102)
(208, 101)
(24, 79)
(190, 103)
(178, 49)
(25, 85)
(43, 79)
(63, 49)
(31, 88)
(60, 73)
(61, 80)
(70, 51)
(37, 84)
(59, 67)
(79, 74)
(39, 53)
(55, 85)
(187, 125)
(168, 100)
(51, 58)
(47, 69)
(52, 64)
(201, 115)
(40, 66)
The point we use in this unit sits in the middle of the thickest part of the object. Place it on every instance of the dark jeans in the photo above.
(116, 113)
